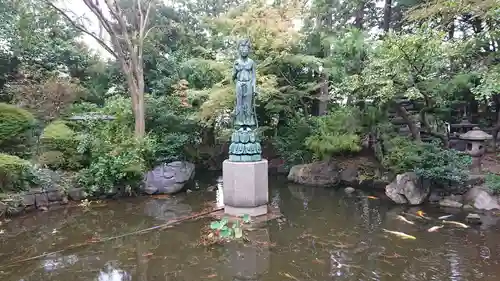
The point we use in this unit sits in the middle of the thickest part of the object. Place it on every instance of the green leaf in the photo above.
(214, 225)
(246, 218)
(225, 233)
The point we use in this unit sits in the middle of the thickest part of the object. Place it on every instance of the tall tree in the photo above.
(127, 23)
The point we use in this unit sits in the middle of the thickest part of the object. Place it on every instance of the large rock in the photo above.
(481, 198)
(318, 173)
(408, 188)
(169, 178)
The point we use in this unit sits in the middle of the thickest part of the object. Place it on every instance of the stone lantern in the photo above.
(475, 147)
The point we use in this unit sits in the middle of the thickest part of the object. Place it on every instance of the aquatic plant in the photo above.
(223, 230)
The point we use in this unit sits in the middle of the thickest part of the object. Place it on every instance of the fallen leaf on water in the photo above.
(420, 213)
(371, 197)
(211, 276)
(93, 240)
(147, 255)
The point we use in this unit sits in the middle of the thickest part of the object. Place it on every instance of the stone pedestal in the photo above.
(245, 188)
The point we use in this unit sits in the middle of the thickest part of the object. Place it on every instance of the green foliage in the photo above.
(54, 160)
(16, 174)
(222, 230)
(428, 160)
(289, 142)
(16, 130)
(117, 159)
(335, 133)
(173, 126)
(492, 181)
(59, 147)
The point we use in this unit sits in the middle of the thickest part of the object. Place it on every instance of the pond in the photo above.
(324, 235)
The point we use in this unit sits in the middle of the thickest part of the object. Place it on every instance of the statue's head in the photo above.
(244, 47)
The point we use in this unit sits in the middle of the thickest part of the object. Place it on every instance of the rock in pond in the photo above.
(408, 188)
(169, 178)
(447, 202)
(473, 219)
(351, 171)
(481, 198)
(321, 173)
(349, 190)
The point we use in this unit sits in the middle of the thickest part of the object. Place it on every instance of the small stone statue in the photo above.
(245, 146)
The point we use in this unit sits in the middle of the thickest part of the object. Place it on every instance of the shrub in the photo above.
(54, 160)
(492, 181)
(170, 124)
(16, 130)
(289, 141)
(116, 162)
(58, 145)
(336, 133)
(117, 159)
(428, 160)
(48, 99)
(15, 173)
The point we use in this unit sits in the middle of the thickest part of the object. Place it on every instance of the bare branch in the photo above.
(83, 29)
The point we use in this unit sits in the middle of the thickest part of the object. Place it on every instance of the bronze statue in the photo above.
(245, 146)
(244, 77)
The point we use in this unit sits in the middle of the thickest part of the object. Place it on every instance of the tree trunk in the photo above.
(386, 25)
(359, 15)
(324, 95)
(137, 96)
(415, 132)
(495, 130)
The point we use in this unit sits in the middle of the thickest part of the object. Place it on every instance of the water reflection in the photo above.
(166, 209)
(248, 262)
(219, 195)
(53, 262)
(111, 273)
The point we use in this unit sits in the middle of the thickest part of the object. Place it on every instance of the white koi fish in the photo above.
(435, 228)
(400, 234)
(445, 217)
(456, 223)
(401, 218)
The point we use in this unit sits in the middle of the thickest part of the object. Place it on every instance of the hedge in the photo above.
(59, 147)
(16, 130)
(15, 173)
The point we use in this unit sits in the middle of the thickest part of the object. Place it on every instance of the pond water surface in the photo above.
(324, 235)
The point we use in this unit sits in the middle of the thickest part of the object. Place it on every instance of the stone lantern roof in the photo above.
(476, 134)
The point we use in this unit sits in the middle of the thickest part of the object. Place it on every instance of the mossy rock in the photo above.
(15, 173)
(16, 130)
(59, 147)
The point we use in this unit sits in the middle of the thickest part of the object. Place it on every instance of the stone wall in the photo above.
(38, 198)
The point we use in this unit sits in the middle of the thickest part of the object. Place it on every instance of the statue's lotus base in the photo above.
(245, 188)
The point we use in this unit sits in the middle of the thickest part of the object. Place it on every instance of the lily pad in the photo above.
(214, 225)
